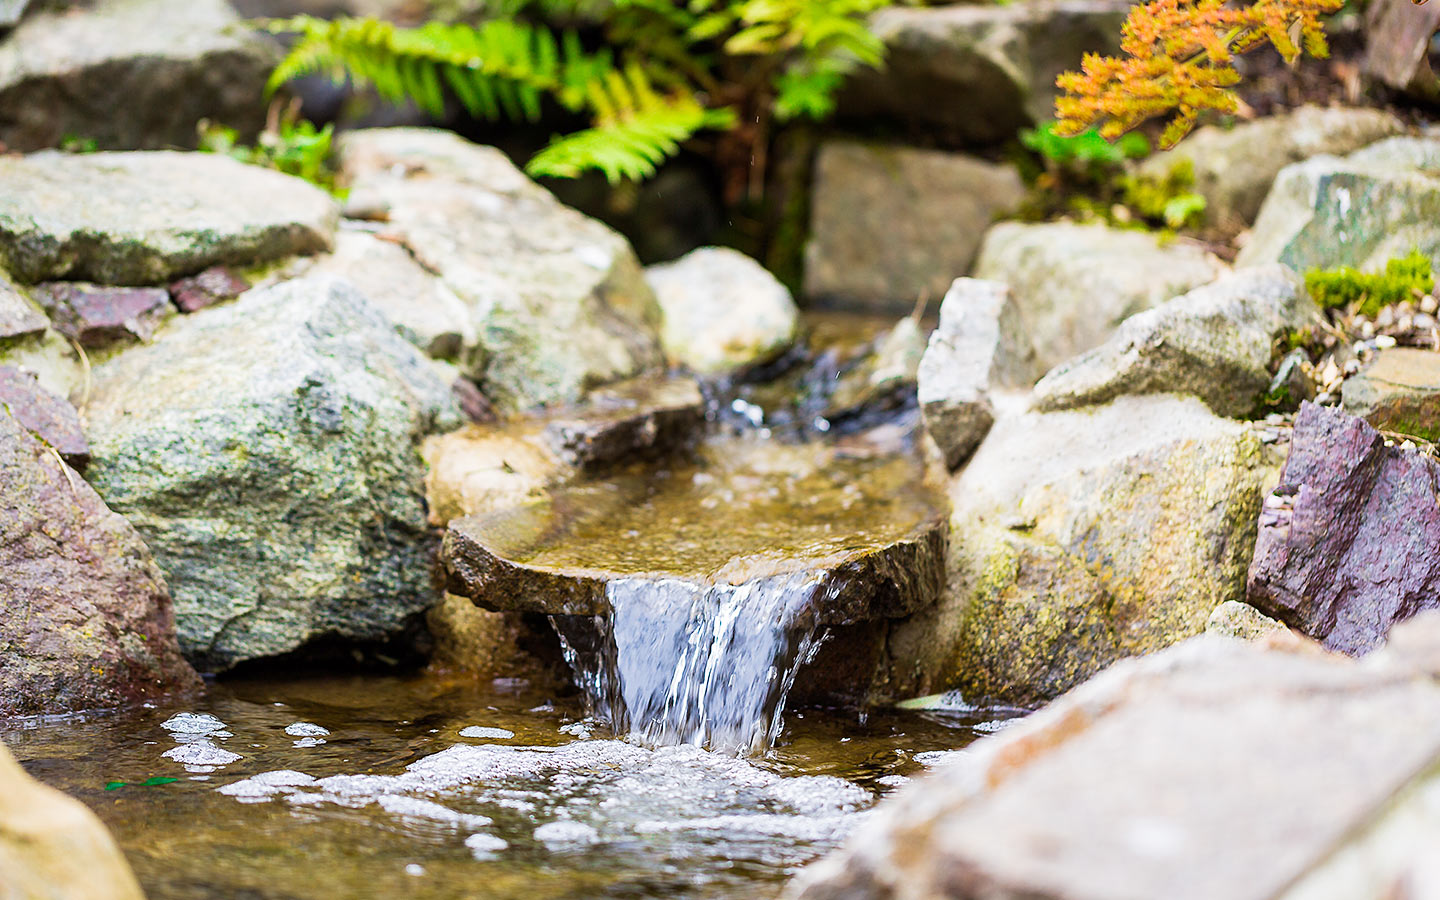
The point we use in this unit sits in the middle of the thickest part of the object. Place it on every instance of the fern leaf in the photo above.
(631, 147)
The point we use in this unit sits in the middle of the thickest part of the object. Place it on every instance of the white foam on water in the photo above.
(485, 731)
(193, 723)
(306, 729)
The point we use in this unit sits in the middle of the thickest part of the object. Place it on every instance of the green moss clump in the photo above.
(1404, 278)
(1170, 200)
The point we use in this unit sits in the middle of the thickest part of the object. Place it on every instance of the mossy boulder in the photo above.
(1078, 538)
(268, 451)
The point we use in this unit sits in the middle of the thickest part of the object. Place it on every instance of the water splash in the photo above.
(678, 662)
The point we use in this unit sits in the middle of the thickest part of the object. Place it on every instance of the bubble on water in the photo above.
(565, 835)
(415, 808)
(485, 731)
(582, 729)
(932, 758)
(415, 869)
(193, 723)
(891, 781)
(483, 845)
(814, 795)
(266, 785)
(201, 754)
(995, 725)
(306, 729)
(305, 742)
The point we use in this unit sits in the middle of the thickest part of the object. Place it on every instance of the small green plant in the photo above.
(1170, 200)
(73, 143)
(1405, 278)
(1087, 148)
(288, 144)
(662, 72)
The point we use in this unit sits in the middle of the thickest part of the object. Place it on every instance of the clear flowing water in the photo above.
(371, 787)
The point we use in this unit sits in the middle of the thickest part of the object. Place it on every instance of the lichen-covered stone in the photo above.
(85, 620)
(934, 207)
(1214, 769)
(1234, 167)
(1360, 210)
(53, 847)
(48, 417)
(981, 344)
(1079, 538)
(557, 301)
(1398, 391)
(1214, 342)
(977, 73)
(267, 450)
(1076, 283)
(130, 74)
(722, 311)
(18, 315)
(1347, 541)
(145, 218)
(1234, 619)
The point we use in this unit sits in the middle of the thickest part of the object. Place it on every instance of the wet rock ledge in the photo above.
(866, 528)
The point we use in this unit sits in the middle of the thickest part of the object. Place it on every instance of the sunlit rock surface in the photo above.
(267, 451)
(1214, 769)
(1075, 284)
(85, 619)
(1078, 538)
(1234, 167)
(1214, 342)
(1359, 210)
(557, 301)
(1398, 391)
(130, 74)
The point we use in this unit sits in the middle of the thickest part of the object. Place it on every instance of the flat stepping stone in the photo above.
(146, 218)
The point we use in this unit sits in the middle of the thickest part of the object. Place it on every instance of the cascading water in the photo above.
(676, 662)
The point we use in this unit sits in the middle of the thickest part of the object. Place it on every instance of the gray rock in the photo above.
(1214, 769)
(145, 218)
(633, 419)
(1079, 538)
(1215, 342)
(53, 846)
(883, 380)
(981, 344)
(131, 75)
(1234, 619)
(722, 311)
(85, 619)
(46, 416)
(1397, 51)
(557, 301)
(1076, 283)
(1398, 391)
(18, 316)
(889, 224)
(266, 450)
(1234, 167)
(1002, 60)
(423, 308)
(96, 316)
(1347, 541)
(1360, 210)
(54, 360)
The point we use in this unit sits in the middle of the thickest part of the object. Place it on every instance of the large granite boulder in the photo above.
(130, 74)
(1214, 769)
(1214, 342)
(144, 218)
(1398, 391)
(1234, 167)
(557, 301)
(977, 73)
(1076, 283)
(1347, 541)
(722, 311)
(267, 451)
(934, 207)
(85, 619)
(1359, 210)
(52, 847)
(1078, 538)
(980, 345)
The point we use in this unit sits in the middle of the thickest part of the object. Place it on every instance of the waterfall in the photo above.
(677, 662)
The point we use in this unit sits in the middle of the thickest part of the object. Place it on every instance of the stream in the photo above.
(380, 786)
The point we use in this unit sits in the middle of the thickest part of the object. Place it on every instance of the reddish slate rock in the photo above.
(97, 315)
(85, 617)
(208, 288)
(45, 415)
(1349, 542)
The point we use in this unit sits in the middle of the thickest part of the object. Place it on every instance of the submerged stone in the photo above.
(236, 444)
(145, 218)
(1347, 543)
(689, 597)
(642, 417)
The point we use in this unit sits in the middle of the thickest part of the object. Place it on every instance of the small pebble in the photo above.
(1367, 329)
(1428, 304)
(1384, 341)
